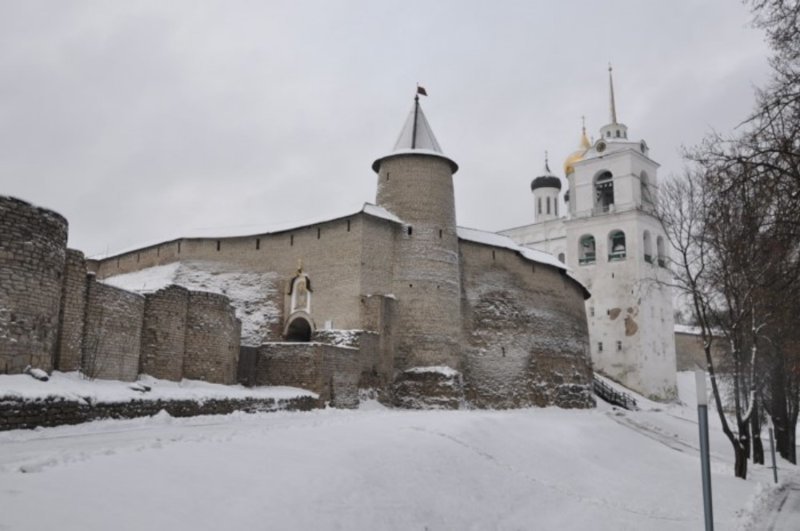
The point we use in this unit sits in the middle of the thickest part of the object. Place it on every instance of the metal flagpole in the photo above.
(705, 465)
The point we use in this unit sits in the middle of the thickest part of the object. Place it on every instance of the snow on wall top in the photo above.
(240, 231)
(252, 294)
(498, 240)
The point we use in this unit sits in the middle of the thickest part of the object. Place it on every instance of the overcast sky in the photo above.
(140, 121)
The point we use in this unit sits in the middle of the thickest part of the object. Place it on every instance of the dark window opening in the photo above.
(440, 233)
(410, 230)
(600, 346)
(387, 175)
(291, 239)
(348, 225)
(219, 244)
(604, 191)
(158, 251)
(493, 255)
(619, 345)
(503, 350)
(319, 232)
(138, 256)
(179, 247)
(539, 205)
(258, 243)
(548, 205)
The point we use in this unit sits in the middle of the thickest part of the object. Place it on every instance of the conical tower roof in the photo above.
(416, 138)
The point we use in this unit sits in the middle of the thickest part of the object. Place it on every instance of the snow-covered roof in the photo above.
(416, 138)
(241, 231)
(498, 240)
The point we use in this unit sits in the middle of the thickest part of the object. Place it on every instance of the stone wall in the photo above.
(112, 338)
(73, 310)
(527, 337)
(55, 411)
(212, 339)
(331, 255)
(164, 333)
(33, 243)
(330, 371)
(689, 353)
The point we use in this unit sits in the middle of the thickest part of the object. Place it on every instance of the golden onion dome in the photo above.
(578, 154)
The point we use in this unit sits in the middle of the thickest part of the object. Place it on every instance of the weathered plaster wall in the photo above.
(112, 337)
(33, 244)
(212, 339)
(526, 332)
(73, 312)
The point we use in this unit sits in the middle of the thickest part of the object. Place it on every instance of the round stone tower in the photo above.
(33, 248)
(415, 182)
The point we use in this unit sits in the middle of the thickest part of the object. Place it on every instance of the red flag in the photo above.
(421, 90)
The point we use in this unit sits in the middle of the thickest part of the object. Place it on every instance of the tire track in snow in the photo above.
(599, 502)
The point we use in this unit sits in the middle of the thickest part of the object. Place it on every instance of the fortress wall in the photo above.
(328, 370)
(212, 339)
(112, 333)
(73, 313)
(33, 243)
(377, 349)
(330, 252)
(526, 332)
(164, 333)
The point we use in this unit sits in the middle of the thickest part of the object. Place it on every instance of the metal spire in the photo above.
(416, 112)
(546, 164)
(611, 87)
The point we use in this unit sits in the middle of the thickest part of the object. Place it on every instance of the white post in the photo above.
(705, 465)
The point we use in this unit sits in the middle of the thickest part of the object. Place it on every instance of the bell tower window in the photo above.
(616, 246)
(586, 250)
(604, 191)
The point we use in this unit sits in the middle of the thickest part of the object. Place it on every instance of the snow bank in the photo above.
(72, 386)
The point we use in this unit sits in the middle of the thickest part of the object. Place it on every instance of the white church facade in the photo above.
(613, 245)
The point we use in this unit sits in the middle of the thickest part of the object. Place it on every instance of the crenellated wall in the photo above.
(164, 333)
(33, 244)
(526, 332)
(212, 339)
(73, 311)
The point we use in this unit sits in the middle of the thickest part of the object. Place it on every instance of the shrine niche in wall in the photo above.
(299, 325)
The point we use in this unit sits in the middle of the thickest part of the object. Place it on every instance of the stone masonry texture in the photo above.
(73, 311)
(32, 255)
(112, 338)
(212, 339)
(164, 333)
(527, 338)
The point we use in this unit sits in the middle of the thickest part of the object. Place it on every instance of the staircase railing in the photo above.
(612, 396)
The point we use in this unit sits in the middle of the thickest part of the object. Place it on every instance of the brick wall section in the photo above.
(330, 371)
(377, 348)
(112, 336)
(73, 313)
(212, 339)
(164, 333)
(527, 336)
(33, 243)
(26, 414)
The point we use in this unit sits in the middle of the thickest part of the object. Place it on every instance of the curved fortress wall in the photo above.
(164, 332)
(212, 339)
(527, 341)
(33, 244)
(419, 189)
(73, 310)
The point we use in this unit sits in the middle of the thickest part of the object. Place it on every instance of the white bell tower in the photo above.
(616, 249)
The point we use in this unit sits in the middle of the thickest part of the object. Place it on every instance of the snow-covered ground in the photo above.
(375, 469)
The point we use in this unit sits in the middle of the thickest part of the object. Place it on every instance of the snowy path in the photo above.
(368, 469)
(787, 515)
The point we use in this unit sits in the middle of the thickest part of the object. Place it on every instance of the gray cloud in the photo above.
(140, 121)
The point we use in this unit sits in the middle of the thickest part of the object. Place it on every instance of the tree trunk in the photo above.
(755, 429)
(740, 466)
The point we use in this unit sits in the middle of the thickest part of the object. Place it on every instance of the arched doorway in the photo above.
(298, 329)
